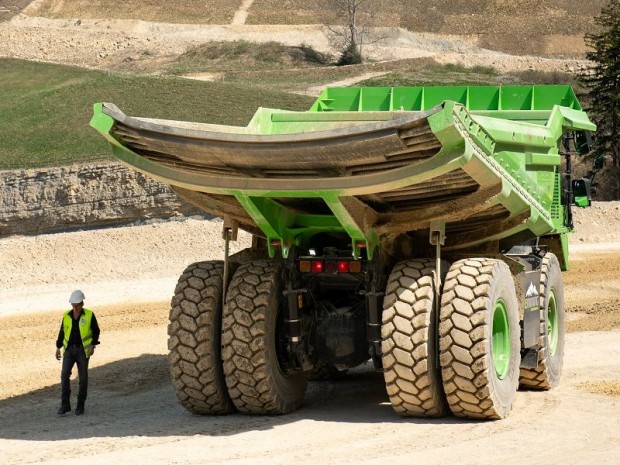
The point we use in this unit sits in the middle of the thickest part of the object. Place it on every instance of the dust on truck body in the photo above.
(422, 228)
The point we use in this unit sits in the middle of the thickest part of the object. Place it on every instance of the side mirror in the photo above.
(599, 162)
(583, 142)
(582, 192)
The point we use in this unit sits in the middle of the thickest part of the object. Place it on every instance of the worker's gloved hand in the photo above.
(57, 354)
(90, 350)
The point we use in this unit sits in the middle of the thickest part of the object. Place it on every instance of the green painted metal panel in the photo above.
(502, 138)
(582, 201)
(407, 98)
(475, 98)
(516, 98)
(483, 98)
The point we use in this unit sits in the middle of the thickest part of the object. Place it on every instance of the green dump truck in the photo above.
(422, 228)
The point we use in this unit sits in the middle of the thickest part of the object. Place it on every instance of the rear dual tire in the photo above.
(253, 345)
(228, 357)
(479, 339)
(194, 340)
(552, 329)
(409, 340)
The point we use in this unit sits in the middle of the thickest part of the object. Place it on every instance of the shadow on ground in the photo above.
(134, 397)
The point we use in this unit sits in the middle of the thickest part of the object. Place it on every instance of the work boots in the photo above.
(64, 408)
(79, 410)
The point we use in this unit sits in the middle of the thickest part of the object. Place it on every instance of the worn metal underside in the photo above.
(376, 166)
(366, 148)
(301, 160)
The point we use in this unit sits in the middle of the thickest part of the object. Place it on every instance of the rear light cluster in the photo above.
(329, 266)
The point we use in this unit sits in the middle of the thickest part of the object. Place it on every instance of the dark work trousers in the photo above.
(73, 355)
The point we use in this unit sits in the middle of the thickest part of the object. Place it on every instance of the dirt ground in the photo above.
(132, 414)
(128, 275)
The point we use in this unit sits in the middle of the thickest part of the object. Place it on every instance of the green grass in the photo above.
(241, 55)
(428, 72)
(45, 109)
(294, 69)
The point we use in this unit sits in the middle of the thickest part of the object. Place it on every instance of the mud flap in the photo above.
(531, 319)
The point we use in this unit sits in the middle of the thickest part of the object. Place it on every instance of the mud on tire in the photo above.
(409, 341)
(552, 329)
(194, 340)
(252, 343)
(479, 339)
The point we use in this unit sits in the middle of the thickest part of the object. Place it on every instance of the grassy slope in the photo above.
(45, 109)
(277, 67)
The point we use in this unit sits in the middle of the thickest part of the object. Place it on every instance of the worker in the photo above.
(78, 336)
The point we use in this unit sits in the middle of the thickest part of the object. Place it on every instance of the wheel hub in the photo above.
(500, 339)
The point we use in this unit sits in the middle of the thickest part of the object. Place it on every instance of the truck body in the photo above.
(422, 228)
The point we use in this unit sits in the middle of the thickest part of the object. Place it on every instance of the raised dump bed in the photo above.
(354, 205)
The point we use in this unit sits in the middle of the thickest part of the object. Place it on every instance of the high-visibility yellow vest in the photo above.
(86, 332)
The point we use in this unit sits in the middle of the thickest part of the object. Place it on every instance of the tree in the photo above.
(357, 17)
(602, 83)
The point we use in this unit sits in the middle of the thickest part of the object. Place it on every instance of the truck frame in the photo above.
(422, 228)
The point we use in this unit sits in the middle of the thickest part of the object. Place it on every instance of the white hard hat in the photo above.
(76, 297)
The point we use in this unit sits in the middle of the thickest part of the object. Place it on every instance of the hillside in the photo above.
(145, 36)
(140, 52)
(277, 47)
(546, 27)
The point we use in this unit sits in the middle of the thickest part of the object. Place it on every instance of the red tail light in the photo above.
(330, 266)
(355, 267)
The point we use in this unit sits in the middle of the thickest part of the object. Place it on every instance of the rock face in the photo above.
(38, 201)
(88, 196)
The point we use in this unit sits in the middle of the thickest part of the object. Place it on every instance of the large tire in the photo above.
(252, 342)
(552, 329)
(479, 339)
(409, 341)
(194, 340)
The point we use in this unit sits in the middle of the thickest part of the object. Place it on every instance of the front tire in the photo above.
(479, 339)
(552, 329)
(194, 340)
(253, 343)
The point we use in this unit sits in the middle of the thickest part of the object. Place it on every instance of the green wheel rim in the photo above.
(500, 339)
(552, 324)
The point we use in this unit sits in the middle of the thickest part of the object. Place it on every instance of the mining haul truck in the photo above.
(420, 229)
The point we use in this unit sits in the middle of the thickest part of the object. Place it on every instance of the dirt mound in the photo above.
(136, 263)
(598, 223)
(142, 262)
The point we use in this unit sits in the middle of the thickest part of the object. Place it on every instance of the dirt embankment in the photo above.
(42, 201)
(135, 44)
